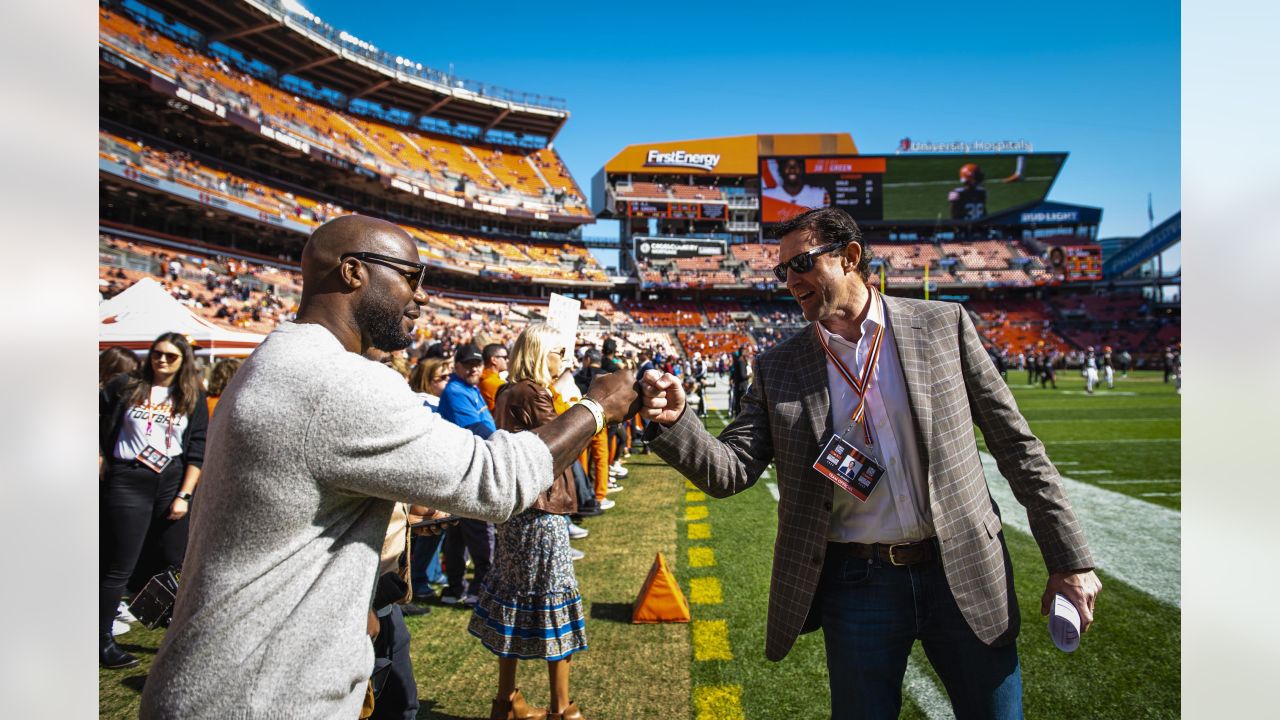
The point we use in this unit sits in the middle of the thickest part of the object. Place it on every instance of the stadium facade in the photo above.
(977, 221)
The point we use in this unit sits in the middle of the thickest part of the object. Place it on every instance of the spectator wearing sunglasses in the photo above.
(151, 437)
(428, 379)
(313, 446)
(924, 531)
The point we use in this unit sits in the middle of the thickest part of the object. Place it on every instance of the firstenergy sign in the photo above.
(680, 158)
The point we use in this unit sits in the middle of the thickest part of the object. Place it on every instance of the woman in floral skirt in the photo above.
(529, 606)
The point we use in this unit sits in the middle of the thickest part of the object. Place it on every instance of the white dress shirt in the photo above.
(898, 508)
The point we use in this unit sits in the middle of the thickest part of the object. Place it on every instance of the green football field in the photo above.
(1118, 452)
(916, 186)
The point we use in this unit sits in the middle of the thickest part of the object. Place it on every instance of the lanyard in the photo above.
(859, 386)
(168, 433)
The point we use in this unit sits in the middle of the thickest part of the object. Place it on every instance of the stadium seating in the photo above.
(505, 176)
(1017, 324)
(658, 314)
(662, 191)
(907, 256)
(981, 255)
(524, 261)
(712, 344)
(985, 263)
(726, 313)
(1106, 308)
(256, 295)
(231, 293)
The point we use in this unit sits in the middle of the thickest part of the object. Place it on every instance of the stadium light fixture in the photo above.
(294, 7)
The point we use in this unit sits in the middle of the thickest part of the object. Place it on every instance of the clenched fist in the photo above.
(663, 397)
(616, 393)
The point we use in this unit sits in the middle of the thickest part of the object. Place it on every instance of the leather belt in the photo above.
(908, 553)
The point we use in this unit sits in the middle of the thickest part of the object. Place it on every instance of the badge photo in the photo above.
(849, 468)
(154, 458)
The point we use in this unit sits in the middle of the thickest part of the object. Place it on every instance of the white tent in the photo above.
(137, 316)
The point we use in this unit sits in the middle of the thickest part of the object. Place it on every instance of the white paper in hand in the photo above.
(1064, 624)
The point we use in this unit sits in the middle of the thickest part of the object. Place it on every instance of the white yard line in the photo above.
(1090, 472)
(1162, 494)
(1096, 393)
(1135, 541)
(1112, 441)
(931, 699)
(1174, 481)
(1091, 421)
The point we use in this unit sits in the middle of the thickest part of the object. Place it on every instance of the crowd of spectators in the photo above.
(451, 249)
(256, 296)
(541, 182)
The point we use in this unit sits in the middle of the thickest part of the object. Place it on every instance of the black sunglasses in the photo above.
(413, 275)
(803, 262)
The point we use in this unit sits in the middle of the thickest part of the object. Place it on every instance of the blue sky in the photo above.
(1098, 80)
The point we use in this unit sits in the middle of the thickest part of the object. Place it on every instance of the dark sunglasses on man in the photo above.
(803, 262)
(412, 271)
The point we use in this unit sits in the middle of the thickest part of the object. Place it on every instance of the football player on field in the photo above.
(969, 201)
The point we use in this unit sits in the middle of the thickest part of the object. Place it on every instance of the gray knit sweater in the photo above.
(309, 447)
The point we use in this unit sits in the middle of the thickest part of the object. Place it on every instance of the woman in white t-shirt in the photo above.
(151, 437)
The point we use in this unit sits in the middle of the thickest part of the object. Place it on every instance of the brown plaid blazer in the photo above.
(952, 384)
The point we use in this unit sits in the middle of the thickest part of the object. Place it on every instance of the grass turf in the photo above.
(1127, 440)
(1127, 667)
(916, 186)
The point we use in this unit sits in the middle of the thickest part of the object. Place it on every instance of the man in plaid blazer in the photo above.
(921, 558)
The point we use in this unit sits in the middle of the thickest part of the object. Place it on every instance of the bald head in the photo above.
(349, 233)
(367, 301)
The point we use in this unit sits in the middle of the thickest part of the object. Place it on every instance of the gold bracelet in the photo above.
(597, 411)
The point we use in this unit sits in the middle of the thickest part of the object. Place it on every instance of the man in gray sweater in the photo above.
(311, 445)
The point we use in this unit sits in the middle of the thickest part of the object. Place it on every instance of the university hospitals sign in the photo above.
(680, 158)
(907, 145)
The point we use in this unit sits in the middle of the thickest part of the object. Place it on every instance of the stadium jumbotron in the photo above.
(229, 132)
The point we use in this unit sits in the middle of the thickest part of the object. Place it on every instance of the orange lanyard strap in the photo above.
(859, 386)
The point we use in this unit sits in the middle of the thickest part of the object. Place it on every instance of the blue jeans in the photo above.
(425, 568)
(872, 613)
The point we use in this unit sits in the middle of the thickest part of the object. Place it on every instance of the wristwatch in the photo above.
(184, 496)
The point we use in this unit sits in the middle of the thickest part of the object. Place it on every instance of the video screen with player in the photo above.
(906, 187)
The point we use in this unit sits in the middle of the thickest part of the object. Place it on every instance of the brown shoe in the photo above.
(570, 713)
(514, 708)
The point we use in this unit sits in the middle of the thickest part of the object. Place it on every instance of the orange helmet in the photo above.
(971, 174)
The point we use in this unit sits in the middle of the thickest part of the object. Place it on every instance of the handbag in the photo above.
(153, 605)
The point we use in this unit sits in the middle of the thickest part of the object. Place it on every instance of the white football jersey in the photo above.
(809, 196)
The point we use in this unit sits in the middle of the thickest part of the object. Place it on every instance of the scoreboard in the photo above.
(673, 210)
(1076, 262)
(906, 188)
(791, 185)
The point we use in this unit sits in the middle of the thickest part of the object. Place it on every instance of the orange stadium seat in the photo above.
(711, 344)
(365, 141)
(529, 261)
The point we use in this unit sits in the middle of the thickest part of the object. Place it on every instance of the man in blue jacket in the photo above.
(462, 404)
